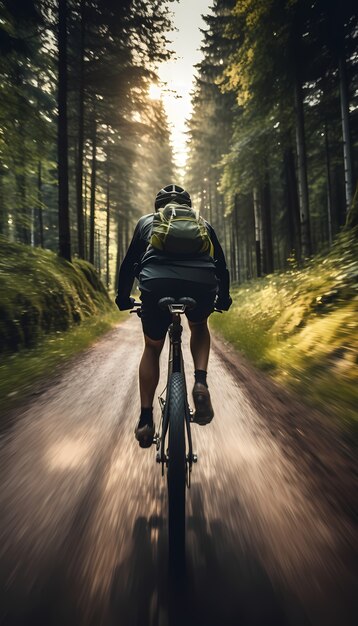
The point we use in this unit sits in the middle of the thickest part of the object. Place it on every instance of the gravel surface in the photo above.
(83, 510)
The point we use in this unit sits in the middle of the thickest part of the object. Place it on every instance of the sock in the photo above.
(200, 377)
(146, 416)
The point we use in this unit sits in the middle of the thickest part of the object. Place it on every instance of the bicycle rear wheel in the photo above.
(177, 471)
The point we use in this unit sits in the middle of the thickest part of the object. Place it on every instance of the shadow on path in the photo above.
(224, 583)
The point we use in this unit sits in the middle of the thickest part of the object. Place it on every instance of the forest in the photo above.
(83, 147)
(274, 134)
(273, 139)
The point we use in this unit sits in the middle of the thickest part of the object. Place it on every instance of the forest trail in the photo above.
(83, 538)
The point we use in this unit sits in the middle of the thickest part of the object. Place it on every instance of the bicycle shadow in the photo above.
(138, 590)
(224, 584)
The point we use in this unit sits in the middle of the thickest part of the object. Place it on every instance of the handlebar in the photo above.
(137, 309)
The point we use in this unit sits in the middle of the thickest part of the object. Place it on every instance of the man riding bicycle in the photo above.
(181, 269)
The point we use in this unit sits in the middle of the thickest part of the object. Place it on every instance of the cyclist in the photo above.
(203, 277)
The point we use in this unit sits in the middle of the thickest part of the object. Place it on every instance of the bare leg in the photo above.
(200, 348)
(149, 370)
(200, 344)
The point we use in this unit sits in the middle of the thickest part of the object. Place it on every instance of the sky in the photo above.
(179, 73)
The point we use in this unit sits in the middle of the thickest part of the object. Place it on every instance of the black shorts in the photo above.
(156, 322)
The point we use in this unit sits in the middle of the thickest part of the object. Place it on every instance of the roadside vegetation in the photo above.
(301, 327)
(50, 309)
(42, 293)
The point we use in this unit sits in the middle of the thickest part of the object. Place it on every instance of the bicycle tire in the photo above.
(176, 471)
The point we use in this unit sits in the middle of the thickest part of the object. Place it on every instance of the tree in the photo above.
(63, 201)
(25, 114)
(281, 170)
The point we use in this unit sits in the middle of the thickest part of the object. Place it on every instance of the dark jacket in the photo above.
(144, 262)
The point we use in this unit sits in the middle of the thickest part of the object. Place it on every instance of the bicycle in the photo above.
(173, 440)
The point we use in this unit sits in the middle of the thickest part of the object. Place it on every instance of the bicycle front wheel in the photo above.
(177, 471)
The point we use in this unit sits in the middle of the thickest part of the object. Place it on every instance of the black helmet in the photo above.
(171, 192)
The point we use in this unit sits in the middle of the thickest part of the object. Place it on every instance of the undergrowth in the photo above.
(42, 293)
(49, 311)
(301, 326)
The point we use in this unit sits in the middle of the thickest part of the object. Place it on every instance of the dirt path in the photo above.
(83, 535)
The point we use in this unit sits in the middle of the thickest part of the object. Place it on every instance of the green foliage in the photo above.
(278, 60)
(302, 325)
(27, 110)
(113, 52)
(41, 294)
(211, 122)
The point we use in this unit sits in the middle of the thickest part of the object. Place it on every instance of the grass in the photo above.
(301, 327)
(42, 293)
(22, 371)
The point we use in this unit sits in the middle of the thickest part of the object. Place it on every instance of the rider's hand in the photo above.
(124, 303)
(223, 303)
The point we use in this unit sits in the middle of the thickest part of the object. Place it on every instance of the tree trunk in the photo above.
(107, 225)
(119, 249)
(258, 228)
(233, 265)
(98, 260)
(293, 210)
(202, 200)
(236, 237)
(267, 228)
(210, 201)
(23, 222)
(22, 217)
(38, 211)
(218, 213)
(63, 203)
(79, 165)
(85, 216)
(3, 210)
(352, 216)
(93, 194)
(233, 268)
(347, 145)
(329, 184)
(127, 220)
(278, 251)
(302, 171)
(248, 258)
(39, 228)
(225, 246)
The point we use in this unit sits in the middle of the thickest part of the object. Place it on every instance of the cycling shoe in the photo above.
(204, 412)
(144, 434)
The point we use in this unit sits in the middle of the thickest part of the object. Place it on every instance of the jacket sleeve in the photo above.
(126, 275)
(220, 263)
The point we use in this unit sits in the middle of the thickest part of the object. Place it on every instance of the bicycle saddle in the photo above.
(187, 303)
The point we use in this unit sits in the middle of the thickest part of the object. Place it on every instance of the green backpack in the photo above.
(179, 229)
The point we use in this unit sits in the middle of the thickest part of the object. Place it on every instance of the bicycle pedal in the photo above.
(192, 459)
(145, 444)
